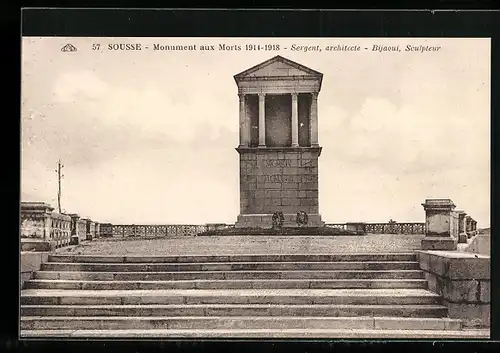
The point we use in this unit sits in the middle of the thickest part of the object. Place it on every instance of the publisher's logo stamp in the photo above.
(68, 48)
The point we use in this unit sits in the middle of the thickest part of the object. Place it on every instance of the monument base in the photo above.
(288, 231)
(266, 221)
(439, 243)
(462, 238)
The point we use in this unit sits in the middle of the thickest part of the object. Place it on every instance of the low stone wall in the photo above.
(480, 244)
(31, 262)
(463, 279)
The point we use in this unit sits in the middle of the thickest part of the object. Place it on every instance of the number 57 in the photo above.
(96, 46)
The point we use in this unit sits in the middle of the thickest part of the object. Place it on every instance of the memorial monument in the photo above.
(278, 147)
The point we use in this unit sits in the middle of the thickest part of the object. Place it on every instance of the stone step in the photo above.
(235, 322)
(228, 284)
(234, 258)
(233, 296)
(325, 310)
(229, 275)
(230, 266)
(262, 333)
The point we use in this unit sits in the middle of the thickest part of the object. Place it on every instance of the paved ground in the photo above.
(226, 245)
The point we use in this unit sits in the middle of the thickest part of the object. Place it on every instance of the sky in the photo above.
(149, 137)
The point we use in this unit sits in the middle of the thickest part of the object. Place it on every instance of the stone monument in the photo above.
(441, 225)
(278, 147)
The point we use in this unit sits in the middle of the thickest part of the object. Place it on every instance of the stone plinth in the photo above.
(35, 220)
(76, 231)
(462, 234)
(90, 229)
(464, 282)
(97, 229)
(278, 180)
(106, 230)
(42, 229)
(265, 221)
(358, 227)
(441, 225)
(468, 226)
(474, 227)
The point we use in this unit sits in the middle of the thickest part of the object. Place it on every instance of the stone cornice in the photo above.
(280, 78)
(244, 149)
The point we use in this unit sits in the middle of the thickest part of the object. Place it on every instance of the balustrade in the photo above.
(162, 230)
(395, 228)
(60, 229)
(180, 230)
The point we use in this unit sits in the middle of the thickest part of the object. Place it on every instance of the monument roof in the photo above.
(278, 67)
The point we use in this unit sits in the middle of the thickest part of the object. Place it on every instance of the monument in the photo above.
(278, 147)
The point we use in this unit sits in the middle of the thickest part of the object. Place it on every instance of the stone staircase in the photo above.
(335, 296)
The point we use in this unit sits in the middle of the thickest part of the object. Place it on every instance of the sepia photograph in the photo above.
(271, 187)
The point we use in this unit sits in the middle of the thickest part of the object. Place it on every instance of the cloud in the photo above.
(402, 139)
(84, 85)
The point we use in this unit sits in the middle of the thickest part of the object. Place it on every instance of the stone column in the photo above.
(244, 131)
(295, 120)
(262, 120)
(439, 225)
(313, 121)
(462, 235)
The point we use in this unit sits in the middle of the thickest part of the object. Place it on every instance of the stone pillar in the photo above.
(474, 227)
(439, 220)
(75, 239)
(36, 226)
(357, 227)
(244, 125)
(295, 120)
(313, 121)
(462, 235)
(106, 230)
(262, 120)
(97, 230)
(89, 231)
(468, 226)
